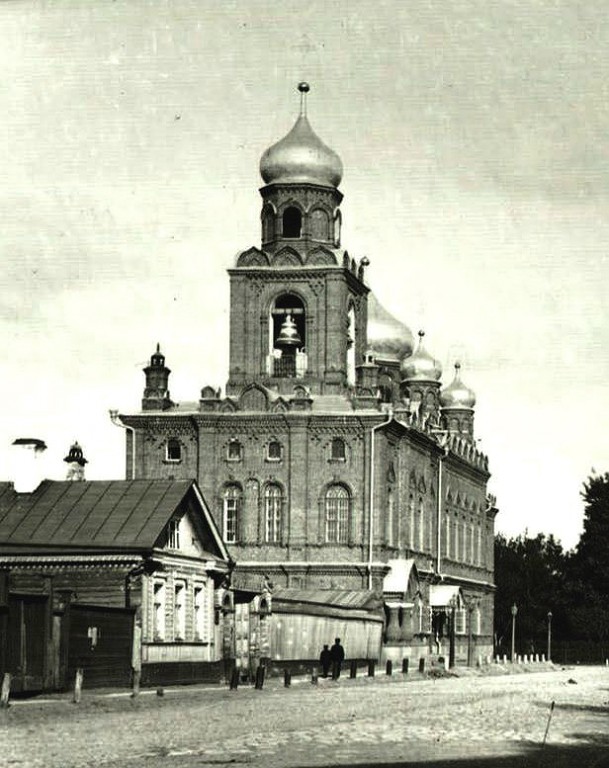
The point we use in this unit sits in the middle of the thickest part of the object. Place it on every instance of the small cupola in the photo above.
(76, 463)
(457, 396)
(156, 393)
(421, 366)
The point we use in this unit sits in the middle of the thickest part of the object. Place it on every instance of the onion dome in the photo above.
(421, 366)
(456, 395)
(388, 338)
(301, 156)
(75, 455)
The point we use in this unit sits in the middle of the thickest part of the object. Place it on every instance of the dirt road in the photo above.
(497, 720)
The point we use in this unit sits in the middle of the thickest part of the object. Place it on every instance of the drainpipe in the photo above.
(116, 420)
(371, 500)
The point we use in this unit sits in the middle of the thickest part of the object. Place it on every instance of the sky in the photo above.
(474, 137)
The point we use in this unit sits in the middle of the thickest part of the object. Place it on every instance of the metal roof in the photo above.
(339, 598)
(125, 514)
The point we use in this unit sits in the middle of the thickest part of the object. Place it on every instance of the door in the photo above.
(27, 641)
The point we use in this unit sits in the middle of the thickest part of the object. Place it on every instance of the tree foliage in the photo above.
(537, 576)
(530, 574)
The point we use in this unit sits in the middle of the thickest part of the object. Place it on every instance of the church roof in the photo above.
(110, 514)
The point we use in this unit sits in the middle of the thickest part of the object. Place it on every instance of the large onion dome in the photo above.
(456, 396)
(420, 366)
(388, 338)
(301, 156)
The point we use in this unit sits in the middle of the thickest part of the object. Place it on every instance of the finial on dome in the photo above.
(457, 367)
(158, 348)
(304, 88)
(421, 334)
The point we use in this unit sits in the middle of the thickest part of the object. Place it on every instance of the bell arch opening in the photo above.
(291, 222)
(287, 357)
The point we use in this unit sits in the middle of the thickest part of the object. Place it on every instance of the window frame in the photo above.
(159, 624)
(232, 499)
(337, 514)
(232, 444)
(334, 455)
(175, 443)
(273, 513)
(279, 446)
(179, 610)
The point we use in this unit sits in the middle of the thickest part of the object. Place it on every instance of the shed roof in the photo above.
(115, 514)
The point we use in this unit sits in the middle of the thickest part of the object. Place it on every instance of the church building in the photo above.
(335, 462)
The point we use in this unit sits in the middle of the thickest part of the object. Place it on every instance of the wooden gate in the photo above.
(100, 642)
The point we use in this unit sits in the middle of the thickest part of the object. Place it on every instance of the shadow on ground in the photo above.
(590, 755)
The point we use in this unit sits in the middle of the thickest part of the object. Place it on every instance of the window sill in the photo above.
(172, 461)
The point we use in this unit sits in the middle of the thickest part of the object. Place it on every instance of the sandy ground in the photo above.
(470, 720)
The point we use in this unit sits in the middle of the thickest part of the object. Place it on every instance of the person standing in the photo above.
(337, 655)
(325, 659)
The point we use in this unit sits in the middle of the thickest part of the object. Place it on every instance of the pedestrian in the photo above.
(338, 656)
(325, 659)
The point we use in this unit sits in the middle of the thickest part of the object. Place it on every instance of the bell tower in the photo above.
(298, 309)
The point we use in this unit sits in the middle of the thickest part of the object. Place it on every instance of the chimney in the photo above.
(28, 466)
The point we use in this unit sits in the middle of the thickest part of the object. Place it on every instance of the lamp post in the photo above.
(549, 635)
(514, 612)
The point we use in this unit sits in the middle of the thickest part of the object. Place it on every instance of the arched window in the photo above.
(389, 524)
(173, 450)
(234, 450)
(421, 541)
(231, 513)
(411, 521)
(320, 225)
(273, 513)
(268, 224)
(339, 449)
(351, 345)
(292, 222)
(273, 451)
(287, 329)
(337, 503)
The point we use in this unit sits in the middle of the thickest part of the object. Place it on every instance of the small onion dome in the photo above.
(301, 156)
(75, 456)
(388, 338)
(421, 366)
(158, 358)
(456, 395)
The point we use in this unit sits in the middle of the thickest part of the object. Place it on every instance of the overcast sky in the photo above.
(474, 136)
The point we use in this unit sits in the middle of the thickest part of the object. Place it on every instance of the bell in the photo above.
(288, 335)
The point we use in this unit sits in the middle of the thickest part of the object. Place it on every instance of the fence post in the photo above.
(78, 686)
(405, 666)
(135, 683)
(260, 671)
(353, 669)
(234, 679)
(371, 668)
(6, 689)
(389, 667)
(422, 664)
(287, 678)
(314, 676)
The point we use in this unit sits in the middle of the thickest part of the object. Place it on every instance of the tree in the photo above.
(529, 573)
(589, 563)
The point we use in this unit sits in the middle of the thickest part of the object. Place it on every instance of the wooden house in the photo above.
(110, 577)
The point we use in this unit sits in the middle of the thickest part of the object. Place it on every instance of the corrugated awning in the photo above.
(441, 595)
